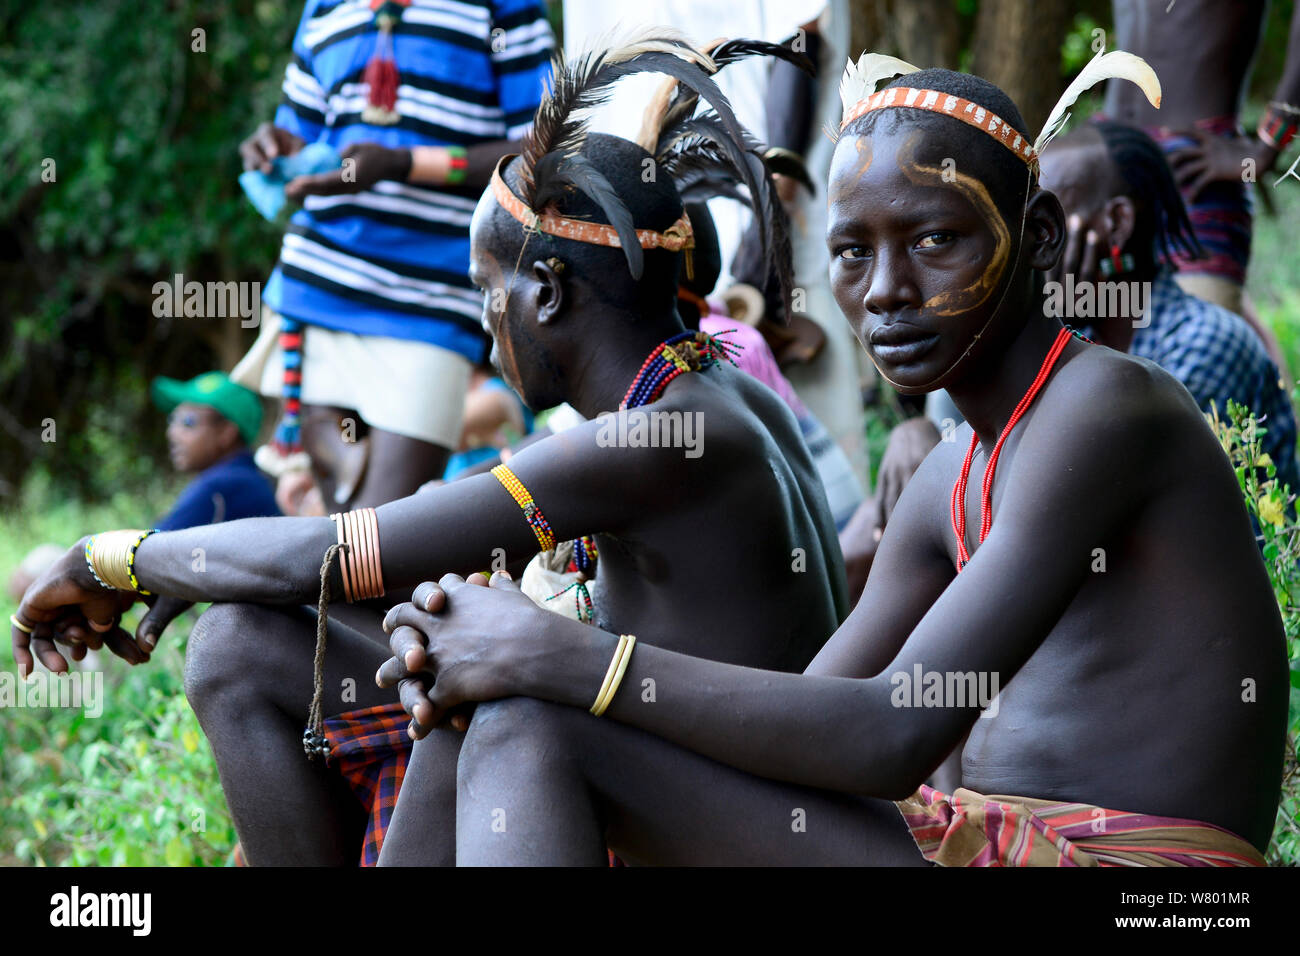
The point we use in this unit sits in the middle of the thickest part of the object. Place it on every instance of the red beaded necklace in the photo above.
(959, 489)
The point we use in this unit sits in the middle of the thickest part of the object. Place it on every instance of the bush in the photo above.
(1271, 506)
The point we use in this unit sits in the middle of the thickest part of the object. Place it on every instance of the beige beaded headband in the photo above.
(675, 238)
(859, 95)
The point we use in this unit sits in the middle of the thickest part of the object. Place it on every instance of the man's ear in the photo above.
(550, 296)
(1121, 218)
(1044, 229)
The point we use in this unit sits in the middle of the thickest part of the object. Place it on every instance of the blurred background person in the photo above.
(211, 422)
(371, 326)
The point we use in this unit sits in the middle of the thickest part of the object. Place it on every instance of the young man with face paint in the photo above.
(680, 536)
(1116, 598)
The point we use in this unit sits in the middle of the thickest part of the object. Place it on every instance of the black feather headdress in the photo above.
(551, 160)
(706, 160)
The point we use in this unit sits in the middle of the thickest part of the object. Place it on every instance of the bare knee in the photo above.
(522, 730)
(222, 655)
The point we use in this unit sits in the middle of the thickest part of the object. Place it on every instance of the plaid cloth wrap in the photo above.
(370, 749)
(969, 829)
(1217, 356)
(1222, 214)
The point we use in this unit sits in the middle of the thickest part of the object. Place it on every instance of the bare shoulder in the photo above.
(1107, 403)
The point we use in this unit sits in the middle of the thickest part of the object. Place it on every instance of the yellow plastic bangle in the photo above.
(618, 667)
(596, 708)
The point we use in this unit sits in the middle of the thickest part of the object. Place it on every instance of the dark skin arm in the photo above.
(583, 487)
(1217, 159)
(364, 164)
(420, 166)
(909, 443)
(808, 729)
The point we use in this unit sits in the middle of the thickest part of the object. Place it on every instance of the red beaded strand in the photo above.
(986, 502)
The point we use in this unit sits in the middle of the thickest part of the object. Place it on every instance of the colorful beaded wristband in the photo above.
(90, 563)
(459, 165)
(1279, 125)
(532, 514)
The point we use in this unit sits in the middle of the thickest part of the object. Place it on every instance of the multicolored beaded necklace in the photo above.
(686, 352)
(958, 509)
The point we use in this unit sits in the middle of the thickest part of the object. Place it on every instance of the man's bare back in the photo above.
(758, 496)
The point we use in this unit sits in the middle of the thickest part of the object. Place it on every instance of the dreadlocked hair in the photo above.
(1162, 216)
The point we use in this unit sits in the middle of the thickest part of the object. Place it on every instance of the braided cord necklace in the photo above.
(958, 509)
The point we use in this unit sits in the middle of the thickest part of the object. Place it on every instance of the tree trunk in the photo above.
(924, 32)
(1018, 47)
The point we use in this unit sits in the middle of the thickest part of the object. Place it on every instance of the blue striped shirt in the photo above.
(392, 260)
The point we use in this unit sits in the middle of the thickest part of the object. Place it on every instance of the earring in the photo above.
(1118, 263)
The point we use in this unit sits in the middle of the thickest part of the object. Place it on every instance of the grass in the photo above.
(136, 786)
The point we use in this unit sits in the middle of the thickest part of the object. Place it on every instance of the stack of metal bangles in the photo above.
(358, 537)
(110, 556)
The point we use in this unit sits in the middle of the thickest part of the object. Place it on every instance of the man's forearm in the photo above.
(835, 733)
(433, 165)
(462, 527)
(258, 560)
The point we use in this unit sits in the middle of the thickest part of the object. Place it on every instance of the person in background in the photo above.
(371, 327)
(495, 418)
(1124, 214)
(211, 422)
(1203, 51)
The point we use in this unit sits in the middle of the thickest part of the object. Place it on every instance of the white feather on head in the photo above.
(860, 79)
(1116, 65)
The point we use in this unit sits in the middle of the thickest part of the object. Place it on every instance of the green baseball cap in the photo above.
(216, 391)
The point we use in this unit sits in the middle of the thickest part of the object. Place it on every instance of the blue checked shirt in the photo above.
(1217, 357)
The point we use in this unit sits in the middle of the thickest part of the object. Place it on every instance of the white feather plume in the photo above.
(622, 46)
(1116, 65)
(860, 79)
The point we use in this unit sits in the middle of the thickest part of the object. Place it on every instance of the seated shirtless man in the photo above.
(686, 535)
(1140, 704)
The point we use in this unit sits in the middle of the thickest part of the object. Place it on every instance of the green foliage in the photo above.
(1241, 435)
(136, 785)
(119, 142)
